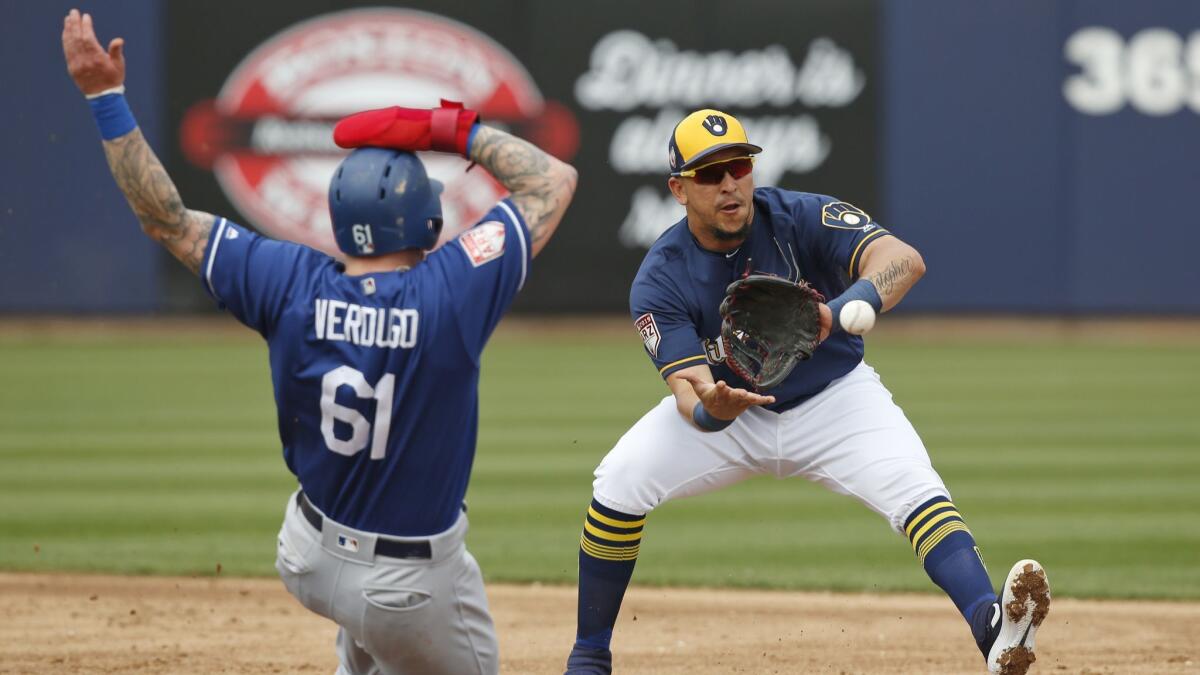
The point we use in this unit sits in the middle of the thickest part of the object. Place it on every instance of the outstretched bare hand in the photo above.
(93, 69)
(723, 401)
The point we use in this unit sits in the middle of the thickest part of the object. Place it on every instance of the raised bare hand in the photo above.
(93, 69)
(723, 401)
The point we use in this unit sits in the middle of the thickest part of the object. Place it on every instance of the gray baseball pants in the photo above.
(397, 616)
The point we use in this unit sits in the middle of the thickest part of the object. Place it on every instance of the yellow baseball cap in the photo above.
(701, 134)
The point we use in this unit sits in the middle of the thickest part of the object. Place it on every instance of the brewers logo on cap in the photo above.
(701, 134)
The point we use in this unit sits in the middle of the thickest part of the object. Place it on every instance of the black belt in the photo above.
(391, 548)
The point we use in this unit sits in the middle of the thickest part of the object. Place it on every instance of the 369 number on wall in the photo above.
(1156, 71)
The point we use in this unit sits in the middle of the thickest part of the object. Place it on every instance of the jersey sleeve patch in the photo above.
(843, 216)
(483, 243)
(648, 329)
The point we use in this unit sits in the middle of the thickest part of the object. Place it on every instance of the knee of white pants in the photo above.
(663, 457)
(623, 504)
(901, 514)
(627, 478)
(623, 486)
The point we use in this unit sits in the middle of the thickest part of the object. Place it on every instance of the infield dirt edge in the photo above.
(75, 623)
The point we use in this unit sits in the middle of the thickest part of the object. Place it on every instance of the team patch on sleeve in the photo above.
(484, 242)
(649, 332)
(845, 216)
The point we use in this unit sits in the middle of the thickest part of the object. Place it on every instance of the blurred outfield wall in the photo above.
(1041, 154)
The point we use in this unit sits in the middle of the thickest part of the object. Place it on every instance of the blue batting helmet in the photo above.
(381, 201)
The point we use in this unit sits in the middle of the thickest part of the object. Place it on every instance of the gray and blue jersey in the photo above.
(679, 287)
(375, 376)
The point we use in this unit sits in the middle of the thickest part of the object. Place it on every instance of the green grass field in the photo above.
(158, 455)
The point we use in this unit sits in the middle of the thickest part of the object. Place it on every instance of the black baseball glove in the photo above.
(768, 323)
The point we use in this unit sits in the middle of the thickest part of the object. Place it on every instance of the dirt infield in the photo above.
(101, 624)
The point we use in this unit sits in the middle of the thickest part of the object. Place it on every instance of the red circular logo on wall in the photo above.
(268, 134)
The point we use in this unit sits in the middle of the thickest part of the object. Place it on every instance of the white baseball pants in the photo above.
(851, 438)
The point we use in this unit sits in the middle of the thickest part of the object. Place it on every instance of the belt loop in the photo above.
(310, 513)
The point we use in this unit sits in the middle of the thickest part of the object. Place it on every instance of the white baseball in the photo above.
(857, 317)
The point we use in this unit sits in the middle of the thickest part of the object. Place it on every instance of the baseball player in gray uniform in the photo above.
(374, 359)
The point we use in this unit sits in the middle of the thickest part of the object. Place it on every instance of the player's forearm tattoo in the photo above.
(155, 201)
(538, 189)
(895, 274)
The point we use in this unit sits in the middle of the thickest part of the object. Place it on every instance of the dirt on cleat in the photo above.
(1016, 661)
(1029, 584)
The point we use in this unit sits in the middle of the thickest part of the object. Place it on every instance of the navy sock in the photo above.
(945, 547)
(608, 551)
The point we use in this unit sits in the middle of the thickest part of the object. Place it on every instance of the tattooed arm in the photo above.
(138, 173)
(156, 202)
(541, 185)
(893, 267)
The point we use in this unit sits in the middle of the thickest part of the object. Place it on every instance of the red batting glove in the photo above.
(445, 129)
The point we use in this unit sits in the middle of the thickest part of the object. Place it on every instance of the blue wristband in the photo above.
(862, 289)
(707, 422)
(471, 138)
(113, 115)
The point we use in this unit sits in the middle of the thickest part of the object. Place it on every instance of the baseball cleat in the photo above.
(1015, 619)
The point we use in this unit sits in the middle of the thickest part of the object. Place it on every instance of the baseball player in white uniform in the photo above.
(831, 420)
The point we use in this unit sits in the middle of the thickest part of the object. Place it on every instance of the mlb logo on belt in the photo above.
(347, 543)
